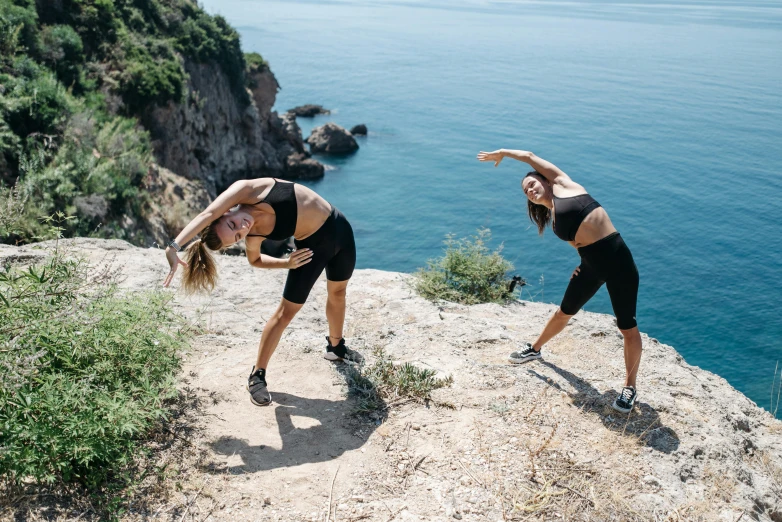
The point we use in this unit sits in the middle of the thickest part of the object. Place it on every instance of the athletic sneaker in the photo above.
(526, 354)
(626, 400)
(256, 385)
(341, 353)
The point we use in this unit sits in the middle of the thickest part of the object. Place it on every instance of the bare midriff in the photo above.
(595, 227)
(312, 210)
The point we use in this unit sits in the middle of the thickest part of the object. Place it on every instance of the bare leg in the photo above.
(633, 348)
(273, 331)
(335, 309)
(555, 324)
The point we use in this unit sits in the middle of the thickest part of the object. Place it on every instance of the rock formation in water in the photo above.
(308, 111)
(359, 130)
(331, 139)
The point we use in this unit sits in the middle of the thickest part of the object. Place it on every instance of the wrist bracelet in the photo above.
(173, 244)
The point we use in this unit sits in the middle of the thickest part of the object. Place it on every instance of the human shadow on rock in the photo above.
(643, 423)
(335, 432)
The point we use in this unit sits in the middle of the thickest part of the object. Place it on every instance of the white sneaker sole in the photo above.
(247, 387)
(331, 356)
(622, 410)
(525, 360)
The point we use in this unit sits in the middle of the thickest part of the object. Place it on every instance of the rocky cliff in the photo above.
(503, 442)
(217, 137)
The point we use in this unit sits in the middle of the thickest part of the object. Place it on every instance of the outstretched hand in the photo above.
(495, 156)
(174, 262)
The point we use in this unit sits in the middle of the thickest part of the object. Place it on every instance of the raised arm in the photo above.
(547, 169)
(237, 193)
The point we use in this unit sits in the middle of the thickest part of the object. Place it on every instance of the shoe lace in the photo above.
(627, 394)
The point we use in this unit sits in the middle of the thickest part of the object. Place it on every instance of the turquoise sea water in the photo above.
(669, 114)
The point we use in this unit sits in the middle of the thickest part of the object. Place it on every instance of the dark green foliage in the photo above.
(85, 371)
(467, 273)
(255, 62)
(95, 175)
(20, 17)
(34, 100)
(62, 51)
(68, 70)
(151, 74)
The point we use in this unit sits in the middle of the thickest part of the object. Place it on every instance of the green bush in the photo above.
(21, 18)
(33, 101)
(385, 381)
(85, 371)
(96, 176)
(62, 51)
(467, 273)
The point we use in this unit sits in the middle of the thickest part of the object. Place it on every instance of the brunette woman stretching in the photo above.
(580, 220)
(267, 208)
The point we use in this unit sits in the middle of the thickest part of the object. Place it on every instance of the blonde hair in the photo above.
(200, 274)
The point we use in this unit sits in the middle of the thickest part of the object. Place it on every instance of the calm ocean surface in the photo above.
(669, 114)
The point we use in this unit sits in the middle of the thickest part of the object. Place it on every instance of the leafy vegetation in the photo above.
(85, 371)
(74, 78)
(385, 381)
(468, 272)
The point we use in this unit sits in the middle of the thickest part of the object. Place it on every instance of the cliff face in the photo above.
(217, 138)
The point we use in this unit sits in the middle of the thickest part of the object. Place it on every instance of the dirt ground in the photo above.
(504, 442)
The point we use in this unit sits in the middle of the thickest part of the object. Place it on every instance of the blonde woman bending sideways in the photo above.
(552, 197)
(267, 208)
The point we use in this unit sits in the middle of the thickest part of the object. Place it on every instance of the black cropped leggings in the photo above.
(606, 261)
(333, 248)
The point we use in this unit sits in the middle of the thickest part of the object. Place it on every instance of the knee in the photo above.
(285, 314)
(630, 333)
(559, 315)
(339, 293)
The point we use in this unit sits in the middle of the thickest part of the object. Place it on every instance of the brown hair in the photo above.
(200, 274)
(538, 214)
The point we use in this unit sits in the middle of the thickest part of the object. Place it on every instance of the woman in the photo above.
(580, 220)
(267, 208)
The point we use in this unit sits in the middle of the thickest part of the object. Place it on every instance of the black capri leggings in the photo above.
(333, 248)
(606, 261)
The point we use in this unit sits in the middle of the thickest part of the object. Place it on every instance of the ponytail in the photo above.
(539, 214)
(200, 274)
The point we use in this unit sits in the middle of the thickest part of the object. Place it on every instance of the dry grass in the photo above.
(551, 484)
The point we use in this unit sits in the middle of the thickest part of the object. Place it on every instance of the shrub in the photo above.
(255, 62)
(33, 101)
(467, 273)
(105, 159)
(384, 380)
(85, 371)
(150, 73)
(62, 51)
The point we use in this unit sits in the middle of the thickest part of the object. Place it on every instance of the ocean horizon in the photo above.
(669, 115)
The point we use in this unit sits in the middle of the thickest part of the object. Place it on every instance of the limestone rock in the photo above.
(359, 130)
(308, 111)
(331, 139)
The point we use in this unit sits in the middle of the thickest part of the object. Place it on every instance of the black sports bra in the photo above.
(570, 212)
(282, 198)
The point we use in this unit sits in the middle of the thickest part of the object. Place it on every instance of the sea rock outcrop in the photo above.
(359, 130)
(308, 111)
(331, 139)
